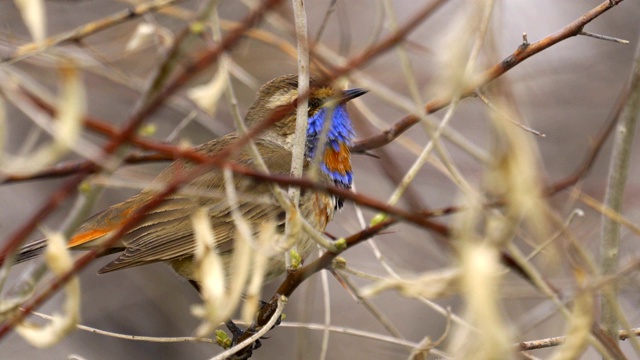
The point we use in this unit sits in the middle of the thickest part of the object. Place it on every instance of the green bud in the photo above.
(380, 217)
(296, 259)
(148, 130)
(197, 27)
(223, 339)
(84, 187)
(340, 244)
(339, 263)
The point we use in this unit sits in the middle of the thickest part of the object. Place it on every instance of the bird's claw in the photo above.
(239, 335)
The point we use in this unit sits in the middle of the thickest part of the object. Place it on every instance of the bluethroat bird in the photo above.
(166, 234)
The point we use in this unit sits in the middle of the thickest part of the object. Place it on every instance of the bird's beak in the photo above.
(351, 94)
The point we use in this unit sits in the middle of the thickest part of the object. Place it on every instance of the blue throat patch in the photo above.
(340, 133)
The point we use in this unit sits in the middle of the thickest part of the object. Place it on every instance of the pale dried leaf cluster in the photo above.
(65, 129)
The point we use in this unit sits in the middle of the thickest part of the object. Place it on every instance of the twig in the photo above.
(604, 37)
(369, 305)
(596, 338)
(559, 340)
(155, 339)
(522, 53)
(524, 127)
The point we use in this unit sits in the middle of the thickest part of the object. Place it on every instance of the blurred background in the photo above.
(565, 92)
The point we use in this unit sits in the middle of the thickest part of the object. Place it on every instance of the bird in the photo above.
(165, 234)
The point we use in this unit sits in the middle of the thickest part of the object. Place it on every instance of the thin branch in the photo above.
(89, 29)
(604, 37)
(523, 52)
(524, 127)
(155, 339)
(559, 340)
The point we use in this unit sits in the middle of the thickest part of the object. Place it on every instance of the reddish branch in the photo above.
(596, 147)
(219, 160)
(523, 52)
(392, 40)
(72, 167)
(294, 279)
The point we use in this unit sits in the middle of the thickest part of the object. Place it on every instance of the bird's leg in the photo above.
(269, 310)
(238, 334)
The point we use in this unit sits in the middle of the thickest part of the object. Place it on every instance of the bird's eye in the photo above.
(314, 106)
(314, 103)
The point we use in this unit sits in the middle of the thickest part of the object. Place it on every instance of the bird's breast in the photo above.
(337, 164)
(318, 209)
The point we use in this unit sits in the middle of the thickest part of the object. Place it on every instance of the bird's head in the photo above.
(327, 105)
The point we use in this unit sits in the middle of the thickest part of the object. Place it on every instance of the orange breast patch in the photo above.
(338, 161)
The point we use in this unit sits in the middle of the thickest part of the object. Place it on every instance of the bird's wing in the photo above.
(166, 233)
(169, 235)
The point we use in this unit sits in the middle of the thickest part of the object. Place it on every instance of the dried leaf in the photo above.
(456, 67)
(147, 34)
(480, 283)
(430, 285)
(266, 235)
(515, 177)
(33, 15)
(579, 328)
(243, 251)
(208, 95)
(211, 273)
(66, 128)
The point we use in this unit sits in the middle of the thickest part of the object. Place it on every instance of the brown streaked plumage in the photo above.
(166, 234)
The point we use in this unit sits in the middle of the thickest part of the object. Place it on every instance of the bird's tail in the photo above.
(30, 251)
